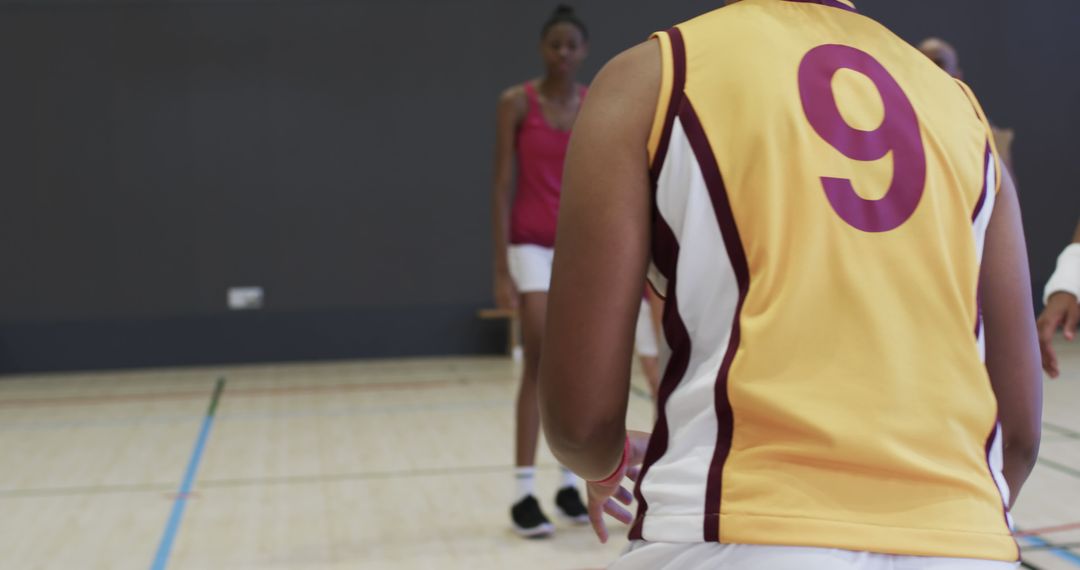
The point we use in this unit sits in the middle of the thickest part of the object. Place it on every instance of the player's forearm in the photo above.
(1013, 363)
(500, 223)
(591, 451)
(584, 378)
(1021, 451)
(1016, 377)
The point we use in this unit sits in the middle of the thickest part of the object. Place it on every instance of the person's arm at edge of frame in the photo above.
(1012, 349)
(1061, 310)
(601, 254)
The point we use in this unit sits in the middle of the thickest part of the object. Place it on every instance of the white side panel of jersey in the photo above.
(707, 295)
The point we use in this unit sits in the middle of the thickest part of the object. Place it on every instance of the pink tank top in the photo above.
(541, 151)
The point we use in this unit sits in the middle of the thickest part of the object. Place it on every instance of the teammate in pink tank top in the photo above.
(541, 150)
(534, 121)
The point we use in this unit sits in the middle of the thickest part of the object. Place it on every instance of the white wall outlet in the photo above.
(245, 298)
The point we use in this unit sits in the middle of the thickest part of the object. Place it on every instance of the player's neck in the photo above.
(557, 89)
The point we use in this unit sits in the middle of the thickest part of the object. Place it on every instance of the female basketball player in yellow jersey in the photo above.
(852, 374)
(534, 121)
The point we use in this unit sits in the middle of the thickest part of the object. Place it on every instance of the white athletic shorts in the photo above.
(645, 334)
(530, 267)
(712, 556)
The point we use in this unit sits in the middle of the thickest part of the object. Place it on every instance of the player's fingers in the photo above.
(1048, 324)
(624, 496)
(620, 514)
(596, 519)
(1072, 318)
(1049, 358)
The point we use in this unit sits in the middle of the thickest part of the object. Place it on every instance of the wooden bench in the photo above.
(513, 333)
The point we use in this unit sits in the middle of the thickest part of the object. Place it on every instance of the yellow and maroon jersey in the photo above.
(822, 192)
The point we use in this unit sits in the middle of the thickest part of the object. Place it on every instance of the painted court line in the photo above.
(1049, 529)
(1061, 430)
(275, 391)
(340, 411)
(364, 476)
(640, 393)
(85, 490)
(1052, 546)
(279, 480)
(1059, 467)
(1056, 550)
(161, 559)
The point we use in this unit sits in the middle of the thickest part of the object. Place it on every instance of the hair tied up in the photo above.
(565, 14)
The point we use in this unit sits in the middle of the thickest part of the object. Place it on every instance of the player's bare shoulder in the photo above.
(638, 65)
(513, 102)
(624, 93)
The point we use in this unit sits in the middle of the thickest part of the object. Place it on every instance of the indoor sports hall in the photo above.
(250, 316)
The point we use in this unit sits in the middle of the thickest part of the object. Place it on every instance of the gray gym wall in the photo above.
(338, 154)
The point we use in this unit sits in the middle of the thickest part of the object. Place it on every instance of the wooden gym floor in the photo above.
(380, 464)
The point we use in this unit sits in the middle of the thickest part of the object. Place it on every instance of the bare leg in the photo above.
(533, 311)
(650, 365)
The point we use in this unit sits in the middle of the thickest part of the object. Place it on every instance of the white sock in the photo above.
(568, 478)
(525, 478)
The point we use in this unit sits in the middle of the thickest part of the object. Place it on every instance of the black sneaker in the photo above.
(529, 520)
(570, 506)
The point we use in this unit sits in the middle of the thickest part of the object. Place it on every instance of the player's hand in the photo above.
(602, 498)
(1061, 312)
(506, 296)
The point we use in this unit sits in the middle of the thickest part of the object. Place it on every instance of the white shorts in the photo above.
(645, 333)
(711, 556)
(530, 267)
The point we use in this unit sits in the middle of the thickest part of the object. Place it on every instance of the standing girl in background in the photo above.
(534, 121)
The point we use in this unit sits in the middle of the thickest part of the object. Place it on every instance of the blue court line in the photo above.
(161, 559)
(1063, 553)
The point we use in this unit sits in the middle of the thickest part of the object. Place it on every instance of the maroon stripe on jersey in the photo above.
(699, 142)
(974, 216)
(664, 257)
(678, 339)
(1004, 508)
(830, 3)
(678, 59)
(985, 185)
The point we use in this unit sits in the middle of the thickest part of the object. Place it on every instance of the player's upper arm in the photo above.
(602, 249)
(511, 108)
(1012, 350)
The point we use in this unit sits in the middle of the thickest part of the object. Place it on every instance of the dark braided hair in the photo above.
(564, 14)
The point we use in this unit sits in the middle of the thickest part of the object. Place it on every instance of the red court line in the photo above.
(1049, 529)
(116, 398)
(184, 395)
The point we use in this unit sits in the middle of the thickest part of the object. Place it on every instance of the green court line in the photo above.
(1060, 467)
(1061, 430)
(282, 480)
